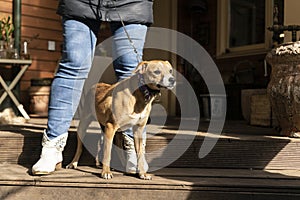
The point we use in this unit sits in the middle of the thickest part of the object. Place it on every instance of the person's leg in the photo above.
(125, 60)
(78, 51)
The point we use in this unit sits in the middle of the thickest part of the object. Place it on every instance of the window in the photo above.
(242, 26)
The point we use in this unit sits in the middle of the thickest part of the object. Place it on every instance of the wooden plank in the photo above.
(40, 74)
(40, 12)
(43, 34)
(6, 7)
(85, 183)
(167, 177)
(15, 61)
(41, 23)
(24, 87)
(39, 44)
(44, 55)
(48, 66)
(52, 4)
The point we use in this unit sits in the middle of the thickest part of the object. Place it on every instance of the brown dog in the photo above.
(128, 104)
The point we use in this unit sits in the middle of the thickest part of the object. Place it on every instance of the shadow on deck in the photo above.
(246, 163)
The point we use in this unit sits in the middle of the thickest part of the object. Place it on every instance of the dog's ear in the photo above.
(141, 68)
(167, 62)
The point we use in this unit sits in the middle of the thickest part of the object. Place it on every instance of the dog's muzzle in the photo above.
(172, 81)
(168, 82)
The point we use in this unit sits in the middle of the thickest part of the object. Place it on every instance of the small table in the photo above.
(8, 88)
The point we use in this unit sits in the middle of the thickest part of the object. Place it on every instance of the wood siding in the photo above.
(39, 24)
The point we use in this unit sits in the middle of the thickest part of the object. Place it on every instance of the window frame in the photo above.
(223, 31)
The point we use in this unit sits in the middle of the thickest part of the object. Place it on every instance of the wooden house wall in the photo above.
(39, 24)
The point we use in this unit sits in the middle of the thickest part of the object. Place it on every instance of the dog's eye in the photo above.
(157, 72)
(171, 71)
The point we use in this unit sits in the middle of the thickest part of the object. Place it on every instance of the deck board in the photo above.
(168, 179)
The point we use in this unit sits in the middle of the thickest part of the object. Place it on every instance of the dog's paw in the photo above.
(72, 165)
(145, 176)
(106, 175)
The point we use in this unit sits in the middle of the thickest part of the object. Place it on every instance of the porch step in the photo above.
(239, 147)
(174, 183)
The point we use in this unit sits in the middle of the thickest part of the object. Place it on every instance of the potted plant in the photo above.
(6, 38)
(7, 29)
(2, 42)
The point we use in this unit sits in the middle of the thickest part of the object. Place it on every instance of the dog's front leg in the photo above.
(108, 139)
(140, 151)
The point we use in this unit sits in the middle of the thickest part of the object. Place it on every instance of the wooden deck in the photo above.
(169, 183)
(246, 163)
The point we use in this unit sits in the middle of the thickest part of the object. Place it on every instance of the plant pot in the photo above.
(284, 87)
(39, 93)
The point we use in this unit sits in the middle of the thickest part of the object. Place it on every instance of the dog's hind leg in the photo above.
(99, 144)
(108, 139)
(81, 131)
(139, 144)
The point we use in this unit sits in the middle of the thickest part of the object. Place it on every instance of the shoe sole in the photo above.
(41, 173)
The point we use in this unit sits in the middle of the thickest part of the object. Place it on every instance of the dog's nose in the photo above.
(172, 80)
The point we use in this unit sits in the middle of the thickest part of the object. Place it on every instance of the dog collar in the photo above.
(148, 92)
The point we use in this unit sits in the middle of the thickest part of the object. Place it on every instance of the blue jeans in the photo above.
(78, 53)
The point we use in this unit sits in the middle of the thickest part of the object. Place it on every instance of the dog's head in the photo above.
(157, 74)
